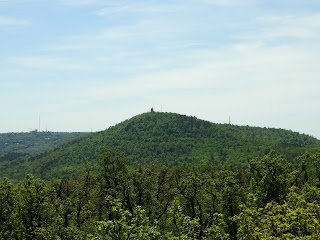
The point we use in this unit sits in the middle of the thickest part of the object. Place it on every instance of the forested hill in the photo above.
(33, 142)
(167, 138)
(282, 136)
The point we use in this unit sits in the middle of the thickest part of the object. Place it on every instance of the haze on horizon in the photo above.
(89, 64)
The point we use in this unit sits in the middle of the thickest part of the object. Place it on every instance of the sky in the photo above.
(85, 65)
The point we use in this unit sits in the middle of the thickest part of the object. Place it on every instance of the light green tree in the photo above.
(294, 219)
(121, 224)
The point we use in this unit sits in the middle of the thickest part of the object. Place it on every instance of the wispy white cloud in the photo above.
(79, 2)
(287, 26)
(5, 20)
(16, 1)
(133, 40)
(142, 30)
(49, 63)
(139, 8)
(65, 47)
(268, 80)
(10, 84)
(227, 3)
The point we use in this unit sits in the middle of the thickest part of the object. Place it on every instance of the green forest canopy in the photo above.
(271, 199)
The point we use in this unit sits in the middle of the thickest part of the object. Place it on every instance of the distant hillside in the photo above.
(33, 142)
(281, 136)
(167, 138)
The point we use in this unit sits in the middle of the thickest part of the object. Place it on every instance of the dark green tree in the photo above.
(271, 176)
(9, 220)
(112, 180)
(36, 209)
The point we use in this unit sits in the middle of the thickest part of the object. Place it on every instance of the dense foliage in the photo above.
(166, 138)
(281, 136)
(271, 199)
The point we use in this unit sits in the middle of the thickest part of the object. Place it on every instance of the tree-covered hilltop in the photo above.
(166, 138)
(33, 142)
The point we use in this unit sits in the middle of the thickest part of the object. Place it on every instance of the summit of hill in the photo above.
(168, 139)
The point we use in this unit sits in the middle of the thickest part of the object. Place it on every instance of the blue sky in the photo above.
(89, 64)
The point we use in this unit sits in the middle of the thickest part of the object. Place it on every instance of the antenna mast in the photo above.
(39, 123)
(229, 120)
